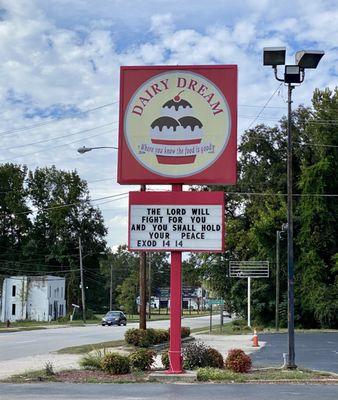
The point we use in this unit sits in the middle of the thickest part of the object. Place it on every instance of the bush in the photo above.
(115, 364)
(195, 355)
(142, 359)
(165, 360)
(137, 337)
(146, 338)
(215, 358)
(239, 322)
(92, 361)
(238, 361)
(185, 331)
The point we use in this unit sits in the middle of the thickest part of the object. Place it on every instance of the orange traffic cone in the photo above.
(255, 339)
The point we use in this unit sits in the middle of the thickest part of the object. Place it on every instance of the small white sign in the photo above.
(173, 227)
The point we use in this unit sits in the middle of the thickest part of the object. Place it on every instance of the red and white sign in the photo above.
(178, 124)
(176, 221)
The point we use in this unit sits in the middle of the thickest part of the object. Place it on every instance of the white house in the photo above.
(39, 298)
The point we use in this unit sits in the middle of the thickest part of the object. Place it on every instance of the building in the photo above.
(37, 298)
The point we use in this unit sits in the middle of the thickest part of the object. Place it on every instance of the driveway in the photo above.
(314, 350)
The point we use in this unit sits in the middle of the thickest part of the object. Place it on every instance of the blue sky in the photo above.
(60, 58)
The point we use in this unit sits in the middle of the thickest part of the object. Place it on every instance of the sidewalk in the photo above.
(224, 343)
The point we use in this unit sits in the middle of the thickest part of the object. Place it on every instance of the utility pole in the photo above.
(111, 286)
(82, 283)
(143, 280)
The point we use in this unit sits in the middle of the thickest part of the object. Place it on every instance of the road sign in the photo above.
(178, 124)
(176, 221)
(246, 269)
(211, 302)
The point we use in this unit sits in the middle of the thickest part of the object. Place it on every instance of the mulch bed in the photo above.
(85, 376)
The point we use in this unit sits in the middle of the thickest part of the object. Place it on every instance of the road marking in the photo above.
(25, 341)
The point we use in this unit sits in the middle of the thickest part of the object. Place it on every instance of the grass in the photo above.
(86, 348)
(267, 375)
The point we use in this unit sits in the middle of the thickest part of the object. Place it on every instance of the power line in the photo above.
(265, 105)
(75, 203)
(24, 128)
(60, 137)
(56, 146)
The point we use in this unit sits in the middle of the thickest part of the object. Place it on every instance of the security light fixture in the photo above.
(274, 56)
(292, 74)
(308, 58)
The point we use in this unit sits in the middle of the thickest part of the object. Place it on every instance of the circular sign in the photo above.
(177, 124)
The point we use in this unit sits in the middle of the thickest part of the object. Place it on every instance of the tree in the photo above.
(15, 224)
(253, 218)
(317, 270)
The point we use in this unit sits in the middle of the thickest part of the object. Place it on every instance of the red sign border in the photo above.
(157, 179)
(177, 198)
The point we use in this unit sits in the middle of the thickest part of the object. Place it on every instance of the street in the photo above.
(61, 391)
(30, 343)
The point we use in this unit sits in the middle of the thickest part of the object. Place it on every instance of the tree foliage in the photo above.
(253, 219)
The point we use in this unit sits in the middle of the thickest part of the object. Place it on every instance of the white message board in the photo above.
(172, 227)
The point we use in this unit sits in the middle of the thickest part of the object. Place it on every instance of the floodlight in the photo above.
(308, 58)
(274, 56)
(292, 74)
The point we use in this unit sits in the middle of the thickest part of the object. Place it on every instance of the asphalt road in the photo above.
(314, 350)
(29, 343)
(61, 391)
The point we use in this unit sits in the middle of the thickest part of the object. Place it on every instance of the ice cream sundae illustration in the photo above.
(176, 127)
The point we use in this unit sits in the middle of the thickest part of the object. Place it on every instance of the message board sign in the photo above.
(249, 269)
(178, 124)
(176, 221)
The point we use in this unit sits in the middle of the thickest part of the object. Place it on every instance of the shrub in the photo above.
(115, 364)
(49, 368)
(162, 336)
(238, 361)
(215, 358)
(185, 331)
(239, 322)
(146, 338)
(195, 355)
(137, 337)
(142, 359)
(92, 361)
(165, 360)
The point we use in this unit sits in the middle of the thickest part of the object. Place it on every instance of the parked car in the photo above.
(226, 314)
(114, 318)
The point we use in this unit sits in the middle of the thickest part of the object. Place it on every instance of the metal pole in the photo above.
(82, 283)
(249, 301)
(143, 280)
(277, 282)
(210, 319)
(149, 283)
(111, 287)
(175, 350)
(291, 329)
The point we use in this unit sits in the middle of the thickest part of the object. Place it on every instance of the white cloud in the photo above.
(68, 53)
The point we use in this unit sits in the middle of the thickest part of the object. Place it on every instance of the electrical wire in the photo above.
(25, 128)
(265, 105)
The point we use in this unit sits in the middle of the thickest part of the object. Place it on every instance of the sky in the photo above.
(60, 60)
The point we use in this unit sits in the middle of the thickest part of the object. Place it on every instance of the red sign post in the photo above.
(178, 125)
